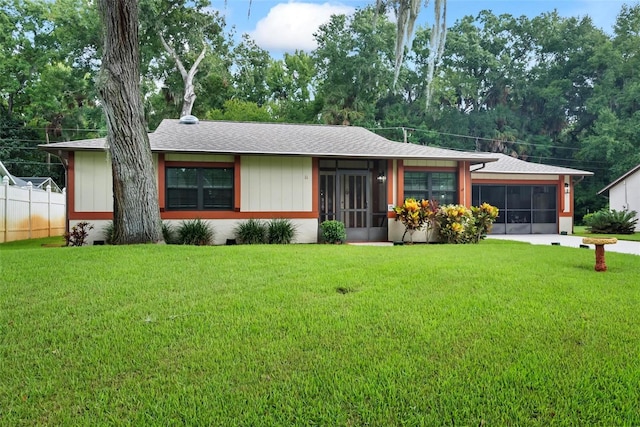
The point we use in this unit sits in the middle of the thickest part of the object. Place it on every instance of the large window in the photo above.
(199, 188)
(431, 185)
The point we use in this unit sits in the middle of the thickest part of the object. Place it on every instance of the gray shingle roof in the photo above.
(277, 138)
(511, 165)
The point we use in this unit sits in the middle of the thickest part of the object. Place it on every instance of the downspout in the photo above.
(481, 167)
(484, 164)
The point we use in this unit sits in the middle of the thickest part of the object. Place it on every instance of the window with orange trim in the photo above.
(431, 185)
(199, 188)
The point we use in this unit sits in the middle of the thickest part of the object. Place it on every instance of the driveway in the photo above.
(623, 246)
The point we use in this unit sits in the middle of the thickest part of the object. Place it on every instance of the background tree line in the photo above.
(546, 89)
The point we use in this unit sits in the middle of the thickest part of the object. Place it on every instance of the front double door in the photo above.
(346, 196)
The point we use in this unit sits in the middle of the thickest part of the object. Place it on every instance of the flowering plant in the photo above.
(459, 224)
(416, 215)
(454, 222)
(484, 217)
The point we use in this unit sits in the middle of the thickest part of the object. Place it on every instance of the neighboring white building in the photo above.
(624, 192)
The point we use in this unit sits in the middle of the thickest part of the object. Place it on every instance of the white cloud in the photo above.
(290, 26)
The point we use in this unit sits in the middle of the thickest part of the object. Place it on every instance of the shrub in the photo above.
(333, 231)
(78, 234)
(587, 218)
(612, 222)
(169, 234)
(280, 231)
(484, 217)
(108, 231)
(416, 215)
(195, 232)
(458, 224)
(251, 232)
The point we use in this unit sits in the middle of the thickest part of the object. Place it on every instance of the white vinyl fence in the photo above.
(28, 213)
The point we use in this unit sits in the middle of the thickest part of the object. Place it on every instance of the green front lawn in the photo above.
(582, 231)
(500, 333)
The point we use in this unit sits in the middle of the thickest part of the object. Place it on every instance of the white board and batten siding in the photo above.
(280, 184)
(268, 184)
(276, 184)
(92, 182)
(625, 195)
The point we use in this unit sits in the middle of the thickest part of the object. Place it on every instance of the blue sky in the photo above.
(283, 26)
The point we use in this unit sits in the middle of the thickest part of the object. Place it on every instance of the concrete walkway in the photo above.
(623, 246)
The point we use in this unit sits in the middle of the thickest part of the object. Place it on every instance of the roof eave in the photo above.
(56, 149)
(474, 160)
(620, 179)
(576, 173)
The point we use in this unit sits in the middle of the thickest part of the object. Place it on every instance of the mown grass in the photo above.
(500, 333)
(582, 231)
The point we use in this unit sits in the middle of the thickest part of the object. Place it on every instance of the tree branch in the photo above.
(174, 55)
(194, 67)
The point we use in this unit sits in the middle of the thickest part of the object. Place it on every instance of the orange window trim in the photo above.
(402, 169)
(162, 165)
(400, 195)
(182, 215)
(200, 164)
(463, 195)
(71, 185)
(236, 183)
(91, 216)
(390, 177)
(315, 185)
(238, 215)
(161, 182)
(514, 182)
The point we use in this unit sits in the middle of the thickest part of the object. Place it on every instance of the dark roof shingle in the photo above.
(282, 139)
(511, 165)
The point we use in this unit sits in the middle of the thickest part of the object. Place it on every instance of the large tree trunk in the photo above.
(136, 213)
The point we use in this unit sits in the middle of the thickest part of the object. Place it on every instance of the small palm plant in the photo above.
(195, 232)
(251, 232)
(280, 231)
